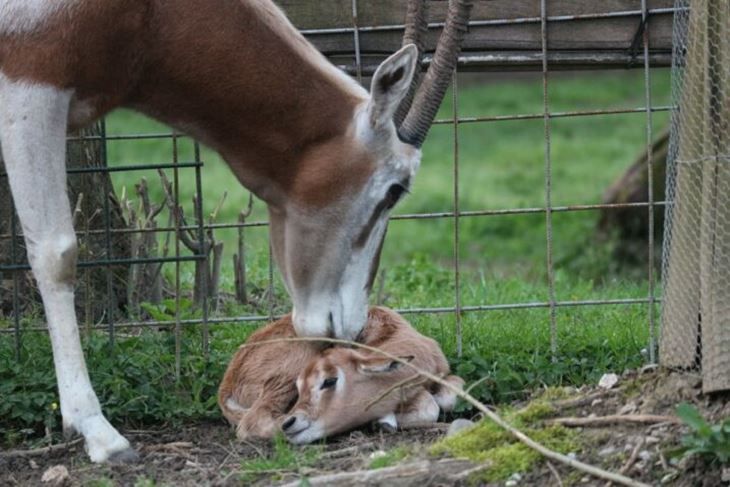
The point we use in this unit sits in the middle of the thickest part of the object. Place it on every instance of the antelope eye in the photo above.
(329, 383)
(394, 194)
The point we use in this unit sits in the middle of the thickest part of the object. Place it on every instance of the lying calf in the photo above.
(311, 392)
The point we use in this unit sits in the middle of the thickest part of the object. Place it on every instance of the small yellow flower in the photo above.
(54, 406)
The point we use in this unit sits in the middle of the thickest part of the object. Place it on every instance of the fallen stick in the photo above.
(556, 474)
(41, 451)
(175, 447)
(577, 402)
(632, 459)
(543, 450)
(425, 426)
(399, 475)
(630, 462)
(343, 452)
(615, 419)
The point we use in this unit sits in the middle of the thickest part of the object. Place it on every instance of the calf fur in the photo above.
(311, 392)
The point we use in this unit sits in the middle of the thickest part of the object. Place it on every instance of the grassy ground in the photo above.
(503, 257)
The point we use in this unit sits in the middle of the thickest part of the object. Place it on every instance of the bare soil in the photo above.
(209, 454)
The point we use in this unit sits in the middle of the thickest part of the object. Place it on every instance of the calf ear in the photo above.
(390, 84)
(382, 365)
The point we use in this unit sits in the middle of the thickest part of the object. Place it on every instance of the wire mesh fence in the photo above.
(696, 315)
(183, 251)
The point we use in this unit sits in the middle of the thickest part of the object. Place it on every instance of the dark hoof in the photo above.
(386, 428)
(129, 455)
(69, 433)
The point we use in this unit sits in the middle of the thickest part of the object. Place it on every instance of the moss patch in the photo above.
(488, 443)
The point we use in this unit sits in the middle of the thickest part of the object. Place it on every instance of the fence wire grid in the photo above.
(638, 55)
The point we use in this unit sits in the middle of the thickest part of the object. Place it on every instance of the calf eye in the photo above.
(329, 383)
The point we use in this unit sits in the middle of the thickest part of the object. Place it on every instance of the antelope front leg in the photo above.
(258, 422)
(421, 409)
(33, 122)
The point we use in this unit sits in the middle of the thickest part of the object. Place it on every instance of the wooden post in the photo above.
(696, 314)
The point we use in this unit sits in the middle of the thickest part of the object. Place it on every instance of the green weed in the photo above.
(710, 442)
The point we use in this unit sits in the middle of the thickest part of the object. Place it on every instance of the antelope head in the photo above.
(341, 390)
(329, 252)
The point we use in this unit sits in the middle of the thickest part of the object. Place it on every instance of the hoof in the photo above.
(129, 455)
(385, 427)
(69, 433)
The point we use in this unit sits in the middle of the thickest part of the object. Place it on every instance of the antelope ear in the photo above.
(390, 84)
(381, 365)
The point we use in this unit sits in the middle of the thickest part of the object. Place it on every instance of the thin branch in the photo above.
(581, 401)
(41, 451)
(480, 381)
(77, 209)
(556, 474)
(543, 450)
(214, 215)
(615, 419)
(412, 381)
(632, 459)
(177, 211)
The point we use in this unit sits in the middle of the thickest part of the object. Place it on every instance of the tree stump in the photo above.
(631, 224)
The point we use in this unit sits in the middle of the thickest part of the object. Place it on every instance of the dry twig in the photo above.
(555, 474)
(577, 402)
(615, 419)
(631, 460)
(41, 451)
(412, 381)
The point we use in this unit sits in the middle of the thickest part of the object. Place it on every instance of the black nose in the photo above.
(288, 423)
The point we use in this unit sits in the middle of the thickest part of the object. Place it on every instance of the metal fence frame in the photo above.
(640, 50)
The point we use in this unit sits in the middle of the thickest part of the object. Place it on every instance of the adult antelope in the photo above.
(324, 155)
(310, 393)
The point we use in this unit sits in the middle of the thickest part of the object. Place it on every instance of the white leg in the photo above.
(388, 423)
(421, 409)
(32, 131)
(445, 397)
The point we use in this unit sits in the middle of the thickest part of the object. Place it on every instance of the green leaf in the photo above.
(693, 419)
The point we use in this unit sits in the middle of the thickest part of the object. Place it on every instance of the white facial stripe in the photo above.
(25, 16)
(340, 380)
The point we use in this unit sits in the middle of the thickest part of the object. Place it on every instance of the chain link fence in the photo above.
(696, 312)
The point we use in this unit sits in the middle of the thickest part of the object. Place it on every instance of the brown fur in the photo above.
(233, 73)
(262, 378)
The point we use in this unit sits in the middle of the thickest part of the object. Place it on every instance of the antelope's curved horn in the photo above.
(431, 92)
(416, 30)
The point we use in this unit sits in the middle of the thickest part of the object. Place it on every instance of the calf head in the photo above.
(341, 390)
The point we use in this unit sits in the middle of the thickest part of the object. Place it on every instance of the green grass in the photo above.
(389, 458)
(503, 258)
(285, 458)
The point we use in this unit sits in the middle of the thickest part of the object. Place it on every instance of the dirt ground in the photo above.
(208, 454)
